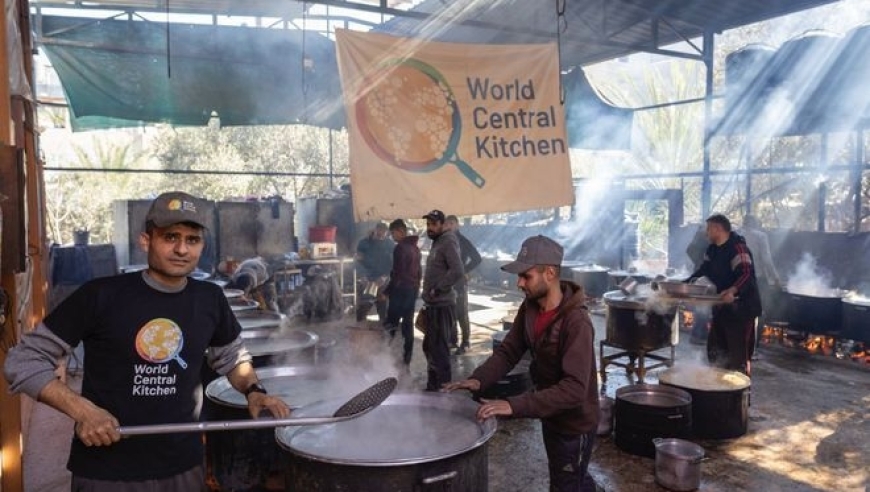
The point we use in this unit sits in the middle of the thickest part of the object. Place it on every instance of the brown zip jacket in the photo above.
(563, 366)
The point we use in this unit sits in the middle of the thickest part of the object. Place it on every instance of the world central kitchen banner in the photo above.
(464, 128)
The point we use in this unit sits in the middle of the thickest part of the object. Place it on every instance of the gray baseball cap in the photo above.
(175, 207)
(536, 250)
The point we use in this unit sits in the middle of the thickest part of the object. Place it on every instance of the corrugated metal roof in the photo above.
(593, 30)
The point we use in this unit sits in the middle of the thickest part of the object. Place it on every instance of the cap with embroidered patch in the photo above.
(536, 250)
(175, 207)
(435, 215)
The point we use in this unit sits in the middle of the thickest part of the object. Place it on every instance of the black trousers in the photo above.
(400, 313)
(192, 480)
(436, 346)
(461, 317)
(731, 341)
(568, 460)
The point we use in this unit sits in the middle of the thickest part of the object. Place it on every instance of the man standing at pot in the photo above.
(404, 286)
(443, 272)
(144, 335)
(554, 324)
(728, 264)
(470, 260)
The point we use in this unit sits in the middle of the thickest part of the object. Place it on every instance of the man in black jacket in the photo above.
(443, 271)
(404, 286)
(728, 264)
(470, 259)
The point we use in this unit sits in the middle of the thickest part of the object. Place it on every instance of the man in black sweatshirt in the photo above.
(728, 264)
(404, 286)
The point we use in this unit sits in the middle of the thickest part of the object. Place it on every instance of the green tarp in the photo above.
(125, 72)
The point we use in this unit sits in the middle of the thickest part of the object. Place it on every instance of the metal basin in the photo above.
(273, 342)
(653, 395)
(298, 386)
(680, 289)
(398, 432)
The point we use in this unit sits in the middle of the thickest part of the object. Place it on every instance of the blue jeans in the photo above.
(400, 313)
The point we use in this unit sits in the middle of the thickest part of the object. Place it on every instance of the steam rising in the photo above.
(809, 279)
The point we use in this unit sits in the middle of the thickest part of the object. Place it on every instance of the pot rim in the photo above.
(664, 379)
(694, 452)
(683, 396)
(449, 402)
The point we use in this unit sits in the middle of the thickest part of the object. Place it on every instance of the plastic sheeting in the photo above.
(18, 84)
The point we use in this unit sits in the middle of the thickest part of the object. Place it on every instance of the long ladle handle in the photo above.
(225, 425)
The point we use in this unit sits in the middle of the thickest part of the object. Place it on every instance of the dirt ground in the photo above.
(808, 430)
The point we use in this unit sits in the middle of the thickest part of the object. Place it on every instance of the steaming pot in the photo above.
(411, 442)
(720, 400)
(856, 319)
(816, 314)
(243, 459)
(633, 326)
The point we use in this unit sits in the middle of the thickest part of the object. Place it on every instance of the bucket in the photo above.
(605, 416)
(678, 464)
(321, 234)
(81, 237)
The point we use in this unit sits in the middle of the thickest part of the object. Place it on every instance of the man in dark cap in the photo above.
(554, 324)
(443, 272)
(144, 335)
(728, 263)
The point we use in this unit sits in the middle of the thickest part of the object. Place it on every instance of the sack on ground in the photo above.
(420, 322)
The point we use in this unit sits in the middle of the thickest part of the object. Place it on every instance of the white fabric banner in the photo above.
(464, 128)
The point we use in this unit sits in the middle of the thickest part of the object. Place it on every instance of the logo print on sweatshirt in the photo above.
(160, 340)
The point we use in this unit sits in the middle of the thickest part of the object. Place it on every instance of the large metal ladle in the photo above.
(357, 406)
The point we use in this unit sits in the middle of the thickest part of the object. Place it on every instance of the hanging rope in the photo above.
(561, 26)
(304, 62)
(168, 62)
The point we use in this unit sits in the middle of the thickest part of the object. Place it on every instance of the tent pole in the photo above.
(706, 186)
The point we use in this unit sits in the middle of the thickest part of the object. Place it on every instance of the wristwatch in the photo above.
(255, 388)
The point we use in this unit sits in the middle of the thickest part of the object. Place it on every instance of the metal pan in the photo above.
(681, 289)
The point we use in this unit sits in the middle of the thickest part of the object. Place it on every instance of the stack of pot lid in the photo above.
(407, 428)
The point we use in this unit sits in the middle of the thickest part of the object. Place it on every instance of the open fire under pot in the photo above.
(411, 442)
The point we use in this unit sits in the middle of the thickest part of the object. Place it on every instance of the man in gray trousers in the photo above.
(443, 272)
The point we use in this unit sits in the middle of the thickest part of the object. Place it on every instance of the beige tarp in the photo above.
(465, 128)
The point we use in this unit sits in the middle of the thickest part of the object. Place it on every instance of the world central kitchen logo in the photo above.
(408, 115)
(507, 138)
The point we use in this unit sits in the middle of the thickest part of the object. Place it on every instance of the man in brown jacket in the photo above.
(554, 324)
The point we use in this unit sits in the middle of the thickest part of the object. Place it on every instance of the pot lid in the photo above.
(654, 395)
(272, 342)
(296, 385)
(705, 378)
(407, 428)
(617, 298)
(259, 319)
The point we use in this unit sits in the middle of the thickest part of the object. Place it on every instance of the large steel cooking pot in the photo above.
(279, 347)
(856, 319)
(259, 319)
(244, 459)
(633, 326)
(720, 399)
(643, 412)
(515, 382)
(411, 442)
(816, 314)
(592, 278)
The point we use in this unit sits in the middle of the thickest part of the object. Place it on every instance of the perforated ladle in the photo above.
(357, 406)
